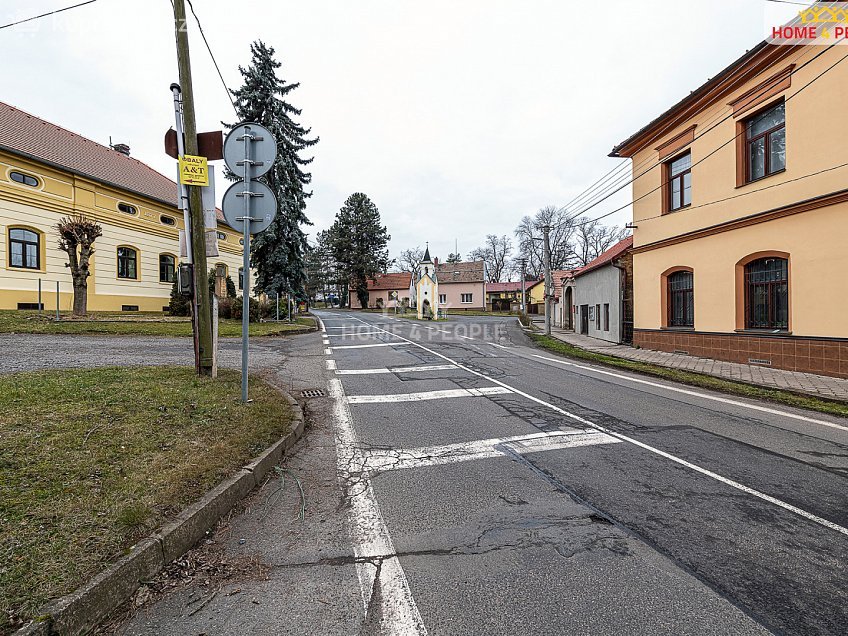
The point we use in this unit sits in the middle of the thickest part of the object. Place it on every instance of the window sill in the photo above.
(676, 210)
(765, 332)
(37, 270)
(763, 178)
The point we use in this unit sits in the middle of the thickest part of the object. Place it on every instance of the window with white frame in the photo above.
(443, 299)
(467, 298)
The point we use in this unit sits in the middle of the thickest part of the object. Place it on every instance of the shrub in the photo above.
(225, 308)
(237, 309)
(179, 305)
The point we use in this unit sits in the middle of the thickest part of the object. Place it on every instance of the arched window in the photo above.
(167, 267)
(681, 299)
(126, 208)
(767, 293)
(221, 270)
(241, 277)
(167, 220)
(24, 248)
(221, 236)
(127, 263)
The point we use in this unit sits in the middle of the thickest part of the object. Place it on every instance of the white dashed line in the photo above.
(369, 346)
(427, 395)
(432, 367)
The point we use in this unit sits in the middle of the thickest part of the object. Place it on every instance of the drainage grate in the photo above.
(311, 393)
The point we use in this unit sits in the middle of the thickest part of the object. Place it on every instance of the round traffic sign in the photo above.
(263, 208)
(263, 149)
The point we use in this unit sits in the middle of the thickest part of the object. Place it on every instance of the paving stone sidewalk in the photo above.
(808, 383)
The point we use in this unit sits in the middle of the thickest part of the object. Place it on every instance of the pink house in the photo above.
(380, 290)
(462, 286)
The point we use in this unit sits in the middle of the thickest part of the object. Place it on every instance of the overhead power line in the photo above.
(214, 61)
(44, 15)
(710, 154)
(623, 180)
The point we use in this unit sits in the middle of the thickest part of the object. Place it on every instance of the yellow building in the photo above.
(741, 214)
(47, 172)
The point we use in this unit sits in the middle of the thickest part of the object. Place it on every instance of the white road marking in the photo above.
(401, 459)
(431, 367)
(716, 398)
(466, 337)
(331, 365)
(733, 484)
(352, 333)
(368, 346)
(426, 395)
(498, 346)
(321, 324)
(328, 352)
(326, 341)
(371, 538)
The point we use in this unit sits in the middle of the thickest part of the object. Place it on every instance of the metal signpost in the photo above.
(249, 151)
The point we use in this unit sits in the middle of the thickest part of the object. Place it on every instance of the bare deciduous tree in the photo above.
(530, 246)
(593, 239)
(76, 238)
(409, 260)
(495, 252)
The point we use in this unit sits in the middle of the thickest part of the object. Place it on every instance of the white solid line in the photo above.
(734, 484)
(426, 395)
(401, 459)
(466, 337)
(498, 346)
(716, 398)
(323, 328)
(431, 367)
(368, 346)
(331, 365)
(399, 615)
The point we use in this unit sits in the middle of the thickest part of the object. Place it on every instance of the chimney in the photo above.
(436, 261)
(124, 149)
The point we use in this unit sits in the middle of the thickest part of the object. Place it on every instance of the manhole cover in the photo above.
(310, 393)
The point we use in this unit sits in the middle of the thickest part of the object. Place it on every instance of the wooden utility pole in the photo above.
(202, 306)
(548, 291)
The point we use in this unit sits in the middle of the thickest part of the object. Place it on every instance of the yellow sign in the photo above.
(194, 171)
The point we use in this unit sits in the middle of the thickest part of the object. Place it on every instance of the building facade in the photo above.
(504, 296)
(601, 295)
(741, 213)
(385, 291)
(462, 286)
(46, 173)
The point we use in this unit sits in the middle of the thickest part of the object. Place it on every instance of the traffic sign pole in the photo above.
(245, 305)
(249, 151)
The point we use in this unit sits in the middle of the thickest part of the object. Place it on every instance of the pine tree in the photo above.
(279, 253)
(359, 243)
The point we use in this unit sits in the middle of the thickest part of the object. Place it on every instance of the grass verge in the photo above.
(134, 325)
(93, 460)
(694, 379)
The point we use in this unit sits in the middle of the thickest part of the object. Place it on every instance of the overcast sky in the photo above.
(457, 117)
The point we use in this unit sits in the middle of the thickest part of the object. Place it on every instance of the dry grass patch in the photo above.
(93, 460)
(141, 324)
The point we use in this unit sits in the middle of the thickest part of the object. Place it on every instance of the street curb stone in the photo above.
(82, 610)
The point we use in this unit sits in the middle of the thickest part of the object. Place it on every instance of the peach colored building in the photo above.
(381, 288)
(462, 286)
(741, 212)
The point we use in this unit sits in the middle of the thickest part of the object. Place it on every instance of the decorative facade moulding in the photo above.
(834, 198)
(677, 143)
(763, 92)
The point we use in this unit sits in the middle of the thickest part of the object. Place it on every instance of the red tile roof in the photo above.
(390, 282)
(507, 287)
(558, 276)
(34, 138)
(470, 272)
(607, 257)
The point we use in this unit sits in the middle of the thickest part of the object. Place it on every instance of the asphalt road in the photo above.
(482, 486)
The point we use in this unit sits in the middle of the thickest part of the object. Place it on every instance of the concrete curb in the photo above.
(83, 609)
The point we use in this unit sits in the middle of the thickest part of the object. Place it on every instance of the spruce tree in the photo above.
(279, 253)
(359, 243)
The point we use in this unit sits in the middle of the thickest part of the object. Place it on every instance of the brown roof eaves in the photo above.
(711, 90)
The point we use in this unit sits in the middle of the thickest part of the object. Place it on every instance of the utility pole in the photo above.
(523, 286)
(198, 231)
(547, 230)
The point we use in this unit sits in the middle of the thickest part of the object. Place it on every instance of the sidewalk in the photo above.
(808, 383)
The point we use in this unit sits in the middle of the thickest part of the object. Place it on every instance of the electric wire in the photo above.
(44, 15)
(710, 154)
(214, 61)
(711, 125)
